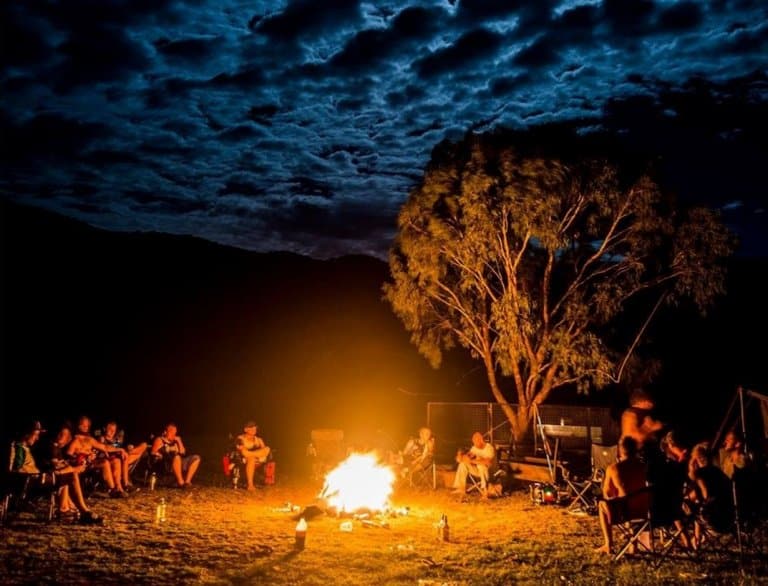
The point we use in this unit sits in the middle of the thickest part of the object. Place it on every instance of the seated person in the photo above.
(669, 477)
(85, 449)
(624, 492)
(252, 450)
(111, 437)
(732, 456)
(477, 462)
(418, 453)
(170, 449)
(711, 494)
(66, 476)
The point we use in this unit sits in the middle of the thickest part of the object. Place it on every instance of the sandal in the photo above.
(91, 518)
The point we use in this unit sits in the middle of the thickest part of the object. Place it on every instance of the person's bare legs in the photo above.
(116, 465)
(106, 474)
(176, 467)
(193, 465)
(76, 491)
(135, 453)
(250, 471)
(604, 515)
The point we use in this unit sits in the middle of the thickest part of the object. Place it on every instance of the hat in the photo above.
(250, 424)
(37, 426)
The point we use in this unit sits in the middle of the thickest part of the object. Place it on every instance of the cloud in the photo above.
(210, 119)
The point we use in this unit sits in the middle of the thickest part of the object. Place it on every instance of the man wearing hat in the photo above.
(253, 451)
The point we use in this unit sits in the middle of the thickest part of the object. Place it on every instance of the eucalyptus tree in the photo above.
(527, 261)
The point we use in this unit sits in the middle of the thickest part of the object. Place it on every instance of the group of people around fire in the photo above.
(686, 488)
(74, 454)
(687, 482)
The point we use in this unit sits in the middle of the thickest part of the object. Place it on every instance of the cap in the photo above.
(36, 426)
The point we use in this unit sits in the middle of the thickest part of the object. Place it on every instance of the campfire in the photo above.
(359, 483)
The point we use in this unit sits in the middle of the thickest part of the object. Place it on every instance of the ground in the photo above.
(221, 536)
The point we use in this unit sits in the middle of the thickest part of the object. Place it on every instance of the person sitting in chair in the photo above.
(711, 495)
(69, 495)
(253, 450)
(624, 492)
(418, 452)
(84, 448)
(111, 437)
(476, 462)
(169, 448)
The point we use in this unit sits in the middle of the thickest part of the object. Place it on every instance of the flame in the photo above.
(359, 482)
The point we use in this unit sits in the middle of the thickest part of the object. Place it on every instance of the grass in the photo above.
(220, 536)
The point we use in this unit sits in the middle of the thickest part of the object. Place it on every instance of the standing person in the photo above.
(253, 451)
(112, 438)
(477, 462)
(624, 492)
(639, 423)
(170, 448)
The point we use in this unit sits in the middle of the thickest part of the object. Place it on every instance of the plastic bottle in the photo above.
(152, 481)
(160, 512)
(301, 533)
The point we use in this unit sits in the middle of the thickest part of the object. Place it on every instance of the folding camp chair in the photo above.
(637, 528)
(585, 494)
(325, 451)
(425, 477)
(27, 492)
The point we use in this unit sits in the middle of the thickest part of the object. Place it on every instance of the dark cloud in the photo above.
(370, 46)
(305, 17)
(468, 48)
(681, 16)
(305, 127)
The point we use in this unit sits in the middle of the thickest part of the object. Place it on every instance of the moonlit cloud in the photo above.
(302, 126)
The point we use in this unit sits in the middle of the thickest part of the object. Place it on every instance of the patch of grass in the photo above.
(220, 536)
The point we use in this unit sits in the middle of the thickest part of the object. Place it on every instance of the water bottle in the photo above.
(160, 512)
(152, 481)
(301, 533)
(443, 531)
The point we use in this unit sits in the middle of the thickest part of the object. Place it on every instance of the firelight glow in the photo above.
(359, 482)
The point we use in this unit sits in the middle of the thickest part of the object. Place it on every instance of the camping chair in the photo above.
(424, 477)
(325, 451)
(25, 492)
(586, 493)
(637, 529)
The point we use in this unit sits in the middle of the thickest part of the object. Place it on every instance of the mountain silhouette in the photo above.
(148, 327)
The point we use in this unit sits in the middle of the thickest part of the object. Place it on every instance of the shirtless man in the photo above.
(86, 449)
(638, 422)
(623, 492)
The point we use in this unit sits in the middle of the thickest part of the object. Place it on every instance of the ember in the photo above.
(359, 482)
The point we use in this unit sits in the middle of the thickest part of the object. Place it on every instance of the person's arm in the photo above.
(107, 449)
(182, 449)
(156, 446)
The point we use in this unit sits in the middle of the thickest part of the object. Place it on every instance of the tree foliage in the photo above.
(526, 261)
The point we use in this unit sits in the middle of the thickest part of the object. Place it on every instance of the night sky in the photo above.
(302, 125)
